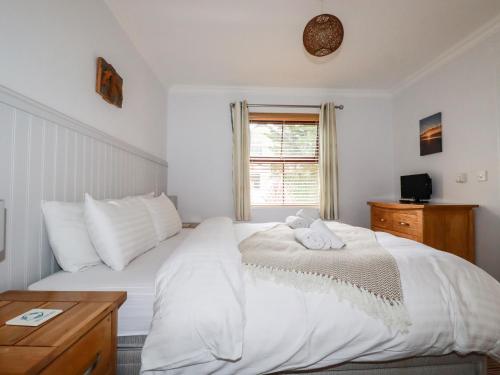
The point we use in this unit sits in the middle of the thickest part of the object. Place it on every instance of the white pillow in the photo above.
(147, 196)
(68, 236)
(120, 230)
(166, 220)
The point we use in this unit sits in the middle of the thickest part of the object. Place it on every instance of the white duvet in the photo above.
(211, 317)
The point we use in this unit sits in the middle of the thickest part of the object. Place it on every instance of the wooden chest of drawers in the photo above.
(447, 227)
(82, 339)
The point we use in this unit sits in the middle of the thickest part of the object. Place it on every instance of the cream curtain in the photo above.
(328, 179)
(241, 168)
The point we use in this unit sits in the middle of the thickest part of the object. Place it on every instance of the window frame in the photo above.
(296, 118)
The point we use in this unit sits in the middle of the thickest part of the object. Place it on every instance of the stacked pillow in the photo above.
(120, 230)
(68, 235)
(110, 231)
(165, 218)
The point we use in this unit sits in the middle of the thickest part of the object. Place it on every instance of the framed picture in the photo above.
(431, 140)
(109, 83)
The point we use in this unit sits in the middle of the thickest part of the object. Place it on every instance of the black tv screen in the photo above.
(416, 187)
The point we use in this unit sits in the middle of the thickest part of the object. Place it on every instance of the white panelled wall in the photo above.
(45, 155)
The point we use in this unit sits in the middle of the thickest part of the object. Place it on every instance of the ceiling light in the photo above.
(323, 35)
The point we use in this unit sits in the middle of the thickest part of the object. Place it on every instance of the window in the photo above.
(284, 159)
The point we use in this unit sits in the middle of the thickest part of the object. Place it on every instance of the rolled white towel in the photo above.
(334, 240)
(295, 222)
(311, 239)
(308, 213)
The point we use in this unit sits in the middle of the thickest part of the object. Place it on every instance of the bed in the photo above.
(137, 280)
(393, 357)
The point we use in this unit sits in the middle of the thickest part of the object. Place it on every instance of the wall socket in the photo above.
(461, 178)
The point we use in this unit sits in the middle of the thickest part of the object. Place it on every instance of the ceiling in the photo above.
(259, 42)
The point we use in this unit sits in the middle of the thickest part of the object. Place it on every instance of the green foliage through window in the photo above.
(284, 163)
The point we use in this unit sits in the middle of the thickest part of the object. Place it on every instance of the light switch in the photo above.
(461, 178)
(482, 176)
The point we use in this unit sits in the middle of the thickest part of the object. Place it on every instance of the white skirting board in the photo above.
(45, 155)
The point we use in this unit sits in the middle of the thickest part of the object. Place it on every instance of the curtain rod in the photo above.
(340, 107)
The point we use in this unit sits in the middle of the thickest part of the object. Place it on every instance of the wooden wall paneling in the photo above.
(79, 175)
(109, 171)
(94, 180)
(101, 176)
(34, 197)
(7, 121)
(115, 192)
(18, 198)
(70, 185)
(45, 155)
(60, 164)
(47, 261)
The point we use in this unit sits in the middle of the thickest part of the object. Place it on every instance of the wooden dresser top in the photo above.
(413, 206)
(29, 349)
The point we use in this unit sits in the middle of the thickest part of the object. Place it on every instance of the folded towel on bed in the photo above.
(318, 237)
(295, 222)
(310, 239)
(308, 213)
(319, 226)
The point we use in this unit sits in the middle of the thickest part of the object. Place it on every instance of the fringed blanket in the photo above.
(362, 272)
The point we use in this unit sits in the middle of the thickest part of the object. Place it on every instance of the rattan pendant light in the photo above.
(323, 35)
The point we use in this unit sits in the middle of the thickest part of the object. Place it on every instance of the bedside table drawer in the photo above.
(90, 354)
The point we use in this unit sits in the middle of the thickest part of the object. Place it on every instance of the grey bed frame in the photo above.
(130, 347)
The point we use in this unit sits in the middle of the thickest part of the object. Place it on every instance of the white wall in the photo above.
(466, 91)
(199, 148)
(48, 51)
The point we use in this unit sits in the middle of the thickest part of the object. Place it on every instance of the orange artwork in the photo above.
(431, 137)
(109, 83)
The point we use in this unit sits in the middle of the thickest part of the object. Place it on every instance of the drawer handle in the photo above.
(382, 220)
(93, 365)
(404, 224)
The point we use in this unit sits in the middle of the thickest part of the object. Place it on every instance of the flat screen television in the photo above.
(416, 188)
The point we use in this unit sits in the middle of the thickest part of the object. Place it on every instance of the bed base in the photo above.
(130, 347)
(128, 355)
(450, 364)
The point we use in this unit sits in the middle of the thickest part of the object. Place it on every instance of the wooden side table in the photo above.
(81, 338)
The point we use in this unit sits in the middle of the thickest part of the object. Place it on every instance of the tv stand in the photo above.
(447, 227)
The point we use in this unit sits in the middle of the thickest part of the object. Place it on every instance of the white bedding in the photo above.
(453, 305)
(134, 317)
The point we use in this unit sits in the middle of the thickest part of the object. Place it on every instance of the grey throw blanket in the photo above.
(362, 272)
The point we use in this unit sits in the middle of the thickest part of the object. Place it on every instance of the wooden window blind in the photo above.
(284, 159)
